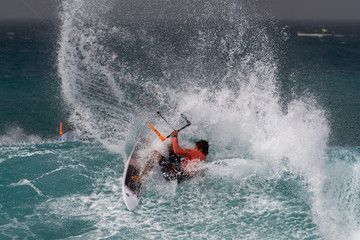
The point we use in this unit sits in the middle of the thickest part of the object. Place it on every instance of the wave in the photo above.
(16, 135)
(221, 73)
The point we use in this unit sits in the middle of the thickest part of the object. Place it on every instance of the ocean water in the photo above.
(281, 114)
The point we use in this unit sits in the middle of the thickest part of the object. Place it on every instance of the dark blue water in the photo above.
(30, 86)
(281, 113)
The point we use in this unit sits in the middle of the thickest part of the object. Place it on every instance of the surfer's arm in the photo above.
(179, 151)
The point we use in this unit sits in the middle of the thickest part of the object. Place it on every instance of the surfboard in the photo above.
(328, 34)
(70, 136)
(132, 190)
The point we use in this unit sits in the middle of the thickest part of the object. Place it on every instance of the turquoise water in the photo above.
(281, 114)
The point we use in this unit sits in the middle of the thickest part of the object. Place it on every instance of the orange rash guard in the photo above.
(193, 157)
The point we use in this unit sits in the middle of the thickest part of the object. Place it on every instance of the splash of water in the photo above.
(222, 75)
(17, 135)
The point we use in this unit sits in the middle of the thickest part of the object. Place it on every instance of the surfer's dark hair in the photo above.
(203, 146)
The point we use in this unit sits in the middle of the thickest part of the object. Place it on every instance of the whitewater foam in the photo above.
(16, 135)
(26, 182)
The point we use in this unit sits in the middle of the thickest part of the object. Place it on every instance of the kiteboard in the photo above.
(132, 190)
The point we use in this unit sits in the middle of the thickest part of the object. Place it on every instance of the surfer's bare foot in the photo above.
(136, 178)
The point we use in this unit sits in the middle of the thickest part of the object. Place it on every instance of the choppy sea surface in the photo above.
(281, 114)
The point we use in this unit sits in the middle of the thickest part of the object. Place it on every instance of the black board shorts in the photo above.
(172, 169)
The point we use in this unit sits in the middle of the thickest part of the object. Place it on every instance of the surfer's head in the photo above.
(202, 146)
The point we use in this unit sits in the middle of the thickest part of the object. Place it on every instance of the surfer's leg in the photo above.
(154, 157)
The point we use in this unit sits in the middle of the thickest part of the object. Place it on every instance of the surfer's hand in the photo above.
(136, 178)
(174, 133)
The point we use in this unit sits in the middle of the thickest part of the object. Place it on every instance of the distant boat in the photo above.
(324, 33)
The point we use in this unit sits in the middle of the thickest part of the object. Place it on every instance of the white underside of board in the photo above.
(130, 198)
